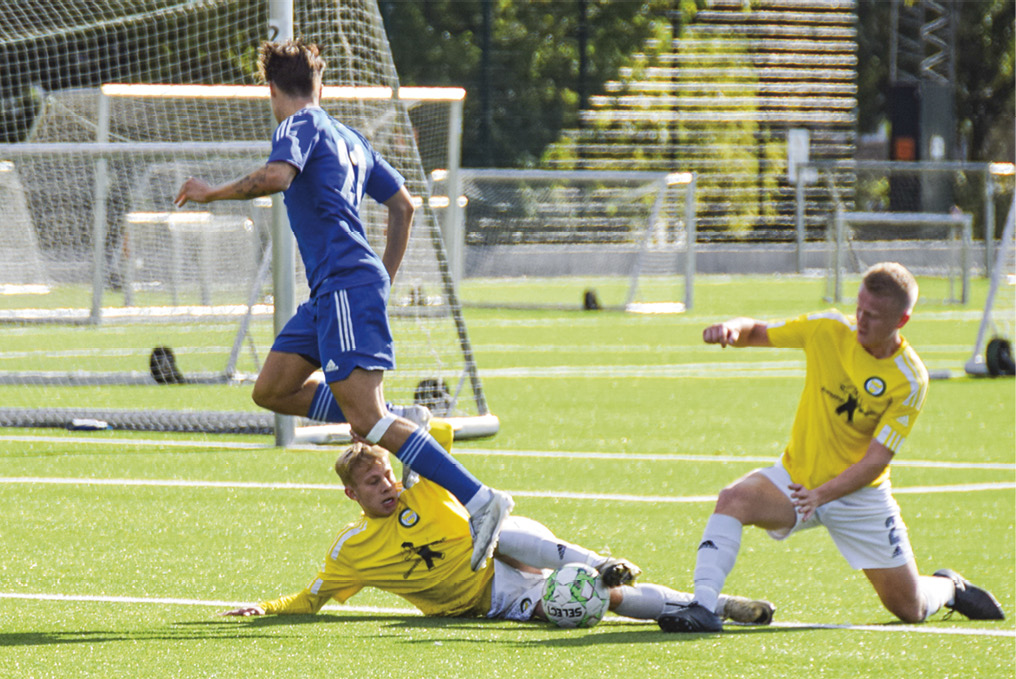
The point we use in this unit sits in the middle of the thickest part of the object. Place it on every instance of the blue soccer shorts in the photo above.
(342, 329)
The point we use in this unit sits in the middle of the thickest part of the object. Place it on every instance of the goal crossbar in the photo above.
(960, 224)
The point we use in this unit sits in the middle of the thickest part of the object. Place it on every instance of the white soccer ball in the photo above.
(574, 596)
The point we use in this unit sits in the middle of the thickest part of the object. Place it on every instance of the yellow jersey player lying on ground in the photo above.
(415, 543)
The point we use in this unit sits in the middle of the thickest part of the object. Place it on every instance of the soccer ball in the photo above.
(574, 596)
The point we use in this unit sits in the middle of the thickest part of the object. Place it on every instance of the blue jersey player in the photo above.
(324, 169)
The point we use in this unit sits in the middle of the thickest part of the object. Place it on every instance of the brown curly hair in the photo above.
(292, 66)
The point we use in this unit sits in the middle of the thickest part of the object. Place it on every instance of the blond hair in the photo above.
(892, 280)
(357, 456)
(292, 66)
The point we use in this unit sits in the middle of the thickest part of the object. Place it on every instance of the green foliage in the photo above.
(526, 88)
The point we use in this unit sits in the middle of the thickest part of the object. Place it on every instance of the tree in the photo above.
(530, 73)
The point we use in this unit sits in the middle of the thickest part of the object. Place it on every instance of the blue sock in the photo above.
(426, 456)
(324, 407)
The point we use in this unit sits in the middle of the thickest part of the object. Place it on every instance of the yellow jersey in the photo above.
(420, 552)
(849, 398)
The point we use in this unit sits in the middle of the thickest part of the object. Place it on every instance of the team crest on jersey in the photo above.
(874, 386)
(408, 518)
(525, 605)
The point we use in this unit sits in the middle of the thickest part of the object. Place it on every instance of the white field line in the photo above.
(101, 440)
(246, 485)
(164, 601)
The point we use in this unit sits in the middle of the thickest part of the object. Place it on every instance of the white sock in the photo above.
(937, 592)
(533, 544)
(648, 602)
(476, 503)
(717, 553)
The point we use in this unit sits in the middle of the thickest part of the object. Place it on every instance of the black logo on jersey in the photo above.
(408, 518)
(848, 407)
(423, 554)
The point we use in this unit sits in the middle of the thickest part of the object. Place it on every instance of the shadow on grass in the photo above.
(206, 630)
(468, 630)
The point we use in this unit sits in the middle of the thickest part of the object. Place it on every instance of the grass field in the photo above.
(617, 430)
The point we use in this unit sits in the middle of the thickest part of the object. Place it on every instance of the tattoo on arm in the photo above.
(253, 185)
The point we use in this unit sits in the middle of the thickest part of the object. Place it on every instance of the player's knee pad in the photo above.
(379, 428)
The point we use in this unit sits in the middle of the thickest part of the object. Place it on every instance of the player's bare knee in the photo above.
(908, 612)
(263, 396)
(733, 501)
(907, 608)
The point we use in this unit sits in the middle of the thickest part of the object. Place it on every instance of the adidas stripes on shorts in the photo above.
(342, 329)
(866, 525)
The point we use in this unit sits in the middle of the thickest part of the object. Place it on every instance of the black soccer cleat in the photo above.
(617, 572)
(970, 600)
(690, 618)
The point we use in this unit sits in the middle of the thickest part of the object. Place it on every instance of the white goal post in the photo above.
(846, 247)
(638, 227)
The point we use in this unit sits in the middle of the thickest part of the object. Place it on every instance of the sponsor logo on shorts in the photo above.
(331, 367)
(874, 386)
(408, 518)
(526, 604)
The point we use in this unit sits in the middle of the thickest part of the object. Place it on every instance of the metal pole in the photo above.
(838, 288)
(455, 239)
(989, 222)
(799, 217)
(968, 228)
(280, 27)
(692, 235)
(99, 195)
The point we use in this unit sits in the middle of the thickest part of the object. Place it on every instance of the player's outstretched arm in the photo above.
(737, 332)
(264, 181)
(244, 611)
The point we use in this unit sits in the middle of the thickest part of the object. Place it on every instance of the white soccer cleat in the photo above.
(485, 526)
(417, 414)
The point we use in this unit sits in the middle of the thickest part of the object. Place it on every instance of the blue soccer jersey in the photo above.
(335, 167)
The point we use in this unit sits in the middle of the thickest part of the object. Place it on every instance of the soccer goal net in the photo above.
(938, 219)
(124, 309)
(568, 239)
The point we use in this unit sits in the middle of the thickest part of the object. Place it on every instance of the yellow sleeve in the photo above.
(795, 333)
(327, 585)
(302, 602)
(442, 432)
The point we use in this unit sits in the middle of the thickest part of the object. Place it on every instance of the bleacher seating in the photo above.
(718, 101)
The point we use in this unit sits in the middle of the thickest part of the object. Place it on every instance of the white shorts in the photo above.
(515, 593)
(866, 525)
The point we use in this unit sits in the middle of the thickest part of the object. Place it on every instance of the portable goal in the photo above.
(115, 271)
(634, 230)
